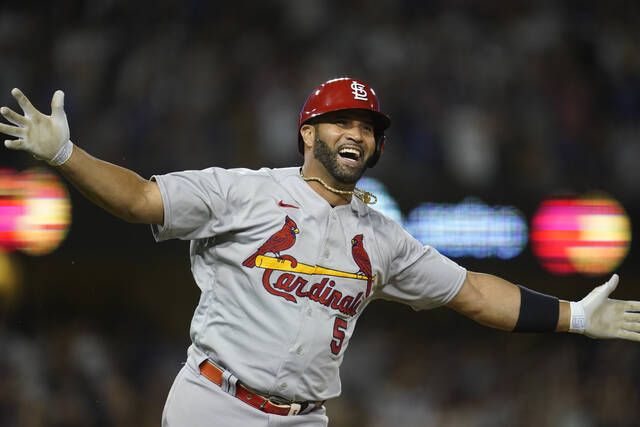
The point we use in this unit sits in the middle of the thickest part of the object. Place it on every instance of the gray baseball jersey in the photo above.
(284, 276)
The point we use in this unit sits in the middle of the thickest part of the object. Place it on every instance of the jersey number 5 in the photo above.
(338, 335)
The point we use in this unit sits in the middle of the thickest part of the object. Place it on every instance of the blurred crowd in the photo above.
(70, 375)
(74, 376)
(502, 99)
(507, 101)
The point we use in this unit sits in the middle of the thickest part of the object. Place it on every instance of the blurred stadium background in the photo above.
(497, 107)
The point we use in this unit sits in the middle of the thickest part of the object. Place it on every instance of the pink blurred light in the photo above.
(35, 211)
(589, 235)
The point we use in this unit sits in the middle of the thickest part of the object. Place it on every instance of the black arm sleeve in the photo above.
(538, 312)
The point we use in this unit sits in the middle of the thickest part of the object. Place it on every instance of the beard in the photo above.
(329, 160)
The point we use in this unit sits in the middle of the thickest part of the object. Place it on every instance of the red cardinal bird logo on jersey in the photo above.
(361, 258)
(282, 240)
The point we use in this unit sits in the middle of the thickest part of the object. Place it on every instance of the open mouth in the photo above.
(352, 155)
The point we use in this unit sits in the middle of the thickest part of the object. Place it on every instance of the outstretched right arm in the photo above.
(119, 191)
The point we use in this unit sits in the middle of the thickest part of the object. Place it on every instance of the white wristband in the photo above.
(578, 318)
(63, 154)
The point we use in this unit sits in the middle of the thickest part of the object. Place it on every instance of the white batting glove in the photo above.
(598, 316)
(46, 137)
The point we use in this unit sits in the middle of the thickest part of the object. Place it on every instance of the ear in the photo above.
(308, 134)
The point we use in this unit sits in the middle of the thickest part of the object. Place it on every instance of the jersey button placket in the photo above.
(326, 253)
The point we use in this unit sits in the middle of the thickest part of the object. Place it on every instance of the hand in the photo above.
(598, 316)
(46, 137)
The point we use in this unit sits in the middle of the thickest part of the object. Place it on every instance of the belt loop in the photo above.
(229, 382)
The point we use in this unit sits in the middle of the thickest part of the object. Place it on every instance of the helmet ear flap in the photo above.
(380, 140)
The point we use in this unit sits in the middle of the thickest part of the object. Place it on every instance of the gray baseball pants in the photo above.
(194, 401)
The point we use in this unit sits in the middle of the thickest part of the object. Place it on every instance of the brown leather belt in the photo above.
(215, 374)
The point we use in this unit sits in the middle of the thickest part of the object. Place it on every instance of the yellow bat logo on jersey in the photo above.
(283, 264)
(290, 285)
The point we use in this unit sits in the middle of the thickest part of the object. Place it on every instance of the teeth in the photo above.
(353, 151)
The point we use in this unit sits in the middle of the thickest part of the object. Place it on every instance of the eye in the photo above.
(368, 129)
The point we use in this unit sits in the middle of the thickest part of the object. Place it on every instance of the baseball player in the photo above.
(288, 259)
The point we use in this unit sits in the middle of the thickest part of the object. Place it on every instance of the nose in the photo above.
(355, 132)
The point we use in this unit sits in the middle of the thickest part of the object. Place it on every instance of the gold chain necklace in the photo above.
(367, 197)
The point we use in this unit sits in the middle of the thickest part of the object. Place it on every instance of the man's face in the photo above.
(345, 141)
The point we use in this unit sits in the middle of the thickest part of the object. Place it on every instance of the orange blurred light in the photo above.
(589, 235)
(47, 215)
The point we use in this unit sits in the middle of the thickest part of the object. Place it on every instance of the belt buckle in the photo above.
(295, 409)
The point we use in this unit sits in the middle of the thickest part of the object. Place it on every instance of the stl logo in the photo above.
(359, 92)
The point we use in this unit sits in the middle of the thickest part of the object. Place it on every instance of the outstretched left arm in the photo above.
(497, 303)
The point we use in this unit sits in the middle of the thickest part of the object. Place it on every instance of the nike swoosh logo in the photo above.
(282, 204)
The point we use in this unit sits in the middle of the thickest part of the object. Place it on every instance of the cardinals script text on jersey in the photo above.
(290, 284)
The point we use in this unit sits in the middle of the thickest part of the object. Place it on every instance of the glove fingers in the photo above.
(629, 335)
(600, 293)
(632, 306)
(631, 326)
(11, 130)
(611, 284)
(25, 104)
(13, 117)
(15, 144)
(57, 103)
(631, 316)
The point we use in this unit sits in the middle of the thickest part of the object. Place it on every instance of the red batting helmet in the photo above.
(345, 93)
